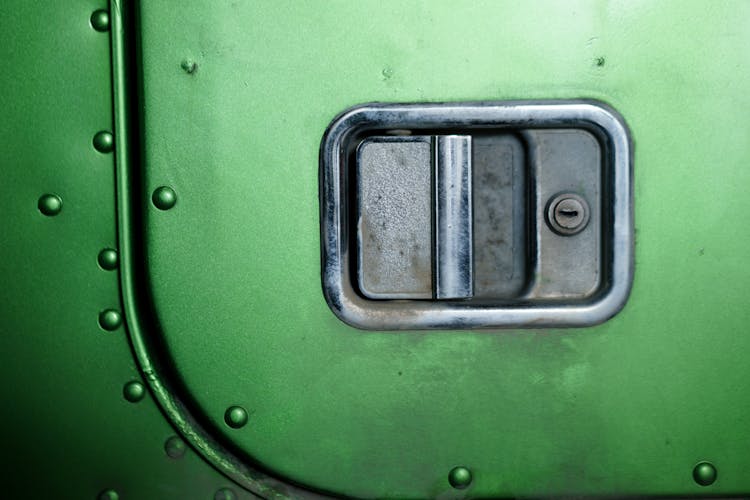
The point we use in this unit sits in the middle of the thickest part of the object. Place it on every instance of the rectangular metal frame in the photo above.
(357, 311)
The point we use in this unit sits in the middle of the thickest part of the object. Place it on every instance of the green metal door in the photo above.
(163, 330)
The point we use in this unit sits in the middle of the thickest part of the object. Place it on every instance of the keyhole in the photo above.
(569, 212)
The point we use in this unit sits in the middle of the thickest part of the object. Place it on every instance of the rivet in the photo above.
(104, 142)
(235, 417)
(110, 320)
(705, 474)
(225, 494)
(567, 214)
(459, 477)
(164, 198)
(134, 391)
(189, 66)
(100, 20)
(108, 495)
(108, 259)
(50, 204)
(175, 447)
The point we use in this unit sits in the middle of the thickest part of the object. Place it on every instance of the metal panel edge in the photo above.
(127, 122)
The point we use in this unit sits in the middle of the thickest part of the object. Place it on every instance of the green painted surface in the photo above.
(236, 98)
(66, 429)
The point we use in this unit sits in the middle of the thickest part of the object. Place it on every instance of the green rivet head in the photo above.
(100, 20)
(189, 66)
(108, 259)
(705, 474)
(104, 142)
(225, 494)
(108, 495)
(459, 477)
(164, 198)
(175, 447)
(134, 391)
(110, 320)
(50, 204)
(235, 417)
